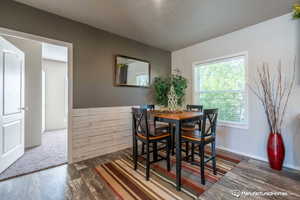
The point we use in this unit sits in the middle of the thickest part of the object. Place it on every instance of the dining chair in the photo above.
(191, 126)
(142, 132)
(148, 106)
(204, 135)
(197, 108)
(159, 126)
(192, 108)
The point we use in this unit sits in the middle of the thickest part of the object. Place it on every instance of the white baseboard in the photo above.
(256, 157)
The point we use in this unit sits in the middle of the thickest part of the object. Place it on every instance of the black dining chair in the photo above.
(191, 126)
(197, 108)
(192, 108)
(142, 132)
(204, 135)
(159, 126)
(148, 106)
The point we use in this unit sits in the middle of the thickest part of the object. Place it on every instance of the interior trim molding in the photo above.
(256, 157)
(23, 35)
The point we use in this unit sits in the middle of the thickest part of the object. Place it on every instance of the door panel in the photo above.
(12, 83)
(12, 136)
(11, 104)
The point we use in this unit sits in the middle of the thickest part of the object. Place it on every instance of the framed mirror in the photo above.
(131, 72)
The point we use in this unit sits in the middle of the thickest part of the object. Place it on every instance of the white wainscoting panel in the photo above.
(99, 131)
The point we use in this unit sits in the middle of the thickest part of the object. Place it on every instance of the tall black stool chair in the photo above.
(159, 126)
(142, 132)
(204, 135)
(191, 126)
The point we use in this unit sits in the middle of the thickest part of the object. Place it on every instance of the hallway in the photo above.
(52, 152)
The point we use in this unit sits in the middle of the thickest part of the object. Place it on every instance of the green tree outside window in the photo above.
(221, 84)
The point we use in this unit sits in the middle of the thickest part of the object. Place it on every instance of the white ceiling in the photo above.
(167, 24)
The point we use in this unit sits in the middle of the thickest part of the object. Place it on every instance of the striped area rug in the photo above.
(128, 184)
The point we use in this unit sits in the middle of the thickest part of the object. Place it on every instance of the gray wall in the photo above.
(94, 52)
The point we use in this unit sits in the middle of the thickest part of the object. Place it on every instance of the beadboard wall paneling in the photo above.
(99, 131)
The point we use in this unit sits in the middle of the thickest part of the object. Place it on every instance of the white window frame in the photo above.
(142, 74)
(209, 61)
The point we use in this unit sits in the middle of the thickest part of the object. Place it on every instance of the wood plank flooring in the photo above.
(80, 181)
(255, 176)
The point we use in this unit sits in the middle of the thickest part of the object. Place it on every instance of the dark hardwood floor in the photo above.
(80, 181)
(256, 176)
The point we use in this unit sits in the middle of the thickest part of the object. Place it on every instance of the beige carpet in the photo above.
(52, 152)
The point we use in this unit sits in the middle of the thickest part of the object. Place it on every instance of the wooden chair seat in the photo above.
(189, 127)
(195, 135)
(157, 136)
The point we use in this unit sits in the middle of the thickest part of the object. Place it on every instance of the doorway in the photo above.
(40, 139)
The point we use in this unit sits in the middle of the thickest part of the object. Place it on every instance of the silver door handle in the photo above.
(24, 108)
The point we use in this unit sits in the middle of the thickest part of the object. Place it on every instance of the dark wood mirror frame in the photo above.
(116, 75)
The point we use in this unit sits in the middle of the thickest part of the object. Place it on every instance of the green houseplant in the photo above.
(162, 87)
(296, 11)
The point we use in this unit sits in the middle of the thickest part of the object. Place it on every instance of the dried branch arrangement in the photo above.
(274, 91)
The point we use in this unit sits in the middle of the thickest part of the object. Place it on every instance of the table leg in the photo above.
(178, 154)
(133, 140)
(155, 155)
(172, 139)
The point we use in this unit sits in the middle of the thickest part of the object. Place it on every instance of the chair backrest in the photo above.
(148, 106)
(209, 123)
(140, 122)
(198, 108)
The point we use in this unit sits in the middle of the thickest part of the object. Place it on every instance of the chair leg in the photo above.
(143, 148)
(147, 161)
(168, 154)
(193, 152)
(213, 151)
(201, 154)
(187, 150)
(135, 153)
(155, 153)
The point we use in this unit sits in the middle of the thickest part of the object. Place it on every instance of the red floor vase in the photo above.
(276, 151)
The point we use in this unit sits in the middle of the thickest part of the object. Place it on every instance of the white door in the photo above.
(11, 104)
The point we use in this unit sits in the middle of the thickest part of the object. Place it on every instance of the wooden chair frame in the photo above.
(208, 136)
(140, 130)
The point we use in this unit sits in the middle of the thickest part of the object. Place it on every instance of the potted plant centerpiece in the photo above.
(274, 91)
(170, 91)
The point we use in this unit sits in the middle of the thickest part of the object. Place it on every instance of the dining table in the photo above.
(176, 119)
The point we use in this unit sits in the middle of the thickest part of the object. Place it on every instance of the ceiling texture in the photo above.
(166, 24)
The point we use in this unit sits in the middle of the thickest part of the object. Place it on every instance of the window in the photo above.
(222, 84)
(142, 79)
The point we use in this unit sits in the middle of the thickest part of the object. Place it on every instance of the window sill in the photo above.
(233, 125)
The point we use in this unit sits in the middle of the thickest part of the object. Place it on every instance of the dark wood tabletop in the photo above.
(177, 116)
